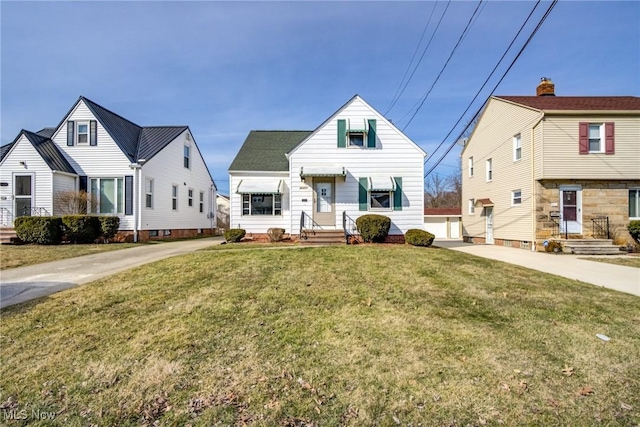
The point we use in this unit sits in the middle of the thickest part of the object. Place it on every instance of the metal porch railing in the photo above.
(600, 227)
(349, 226)
(307, 226)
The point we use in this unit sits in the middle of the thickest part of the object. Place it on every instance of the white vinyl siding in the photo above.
(162, 216)
(42, 177)
(62, 183)
(105, 160)
(395, 156)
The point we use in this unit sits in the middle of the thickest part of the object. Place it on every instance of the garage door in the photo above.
(436, 226)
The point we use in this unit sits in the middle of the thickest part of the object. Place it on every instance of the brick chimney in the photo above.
(545, 87)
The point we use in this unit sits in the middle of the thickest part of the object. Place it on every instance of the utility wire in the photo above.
(445, 64)
(544, 17)
(421, 57)
(394, 99)
(488, 77)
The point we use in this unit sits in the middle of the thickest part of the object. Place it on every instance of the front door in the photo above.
(488, 212)
(571, 209)
(23, 195)
(324, 209)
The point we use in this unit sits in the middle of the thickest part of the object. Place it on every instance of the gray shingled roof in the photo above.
(49, 152)
(264, 150)
(155, 138)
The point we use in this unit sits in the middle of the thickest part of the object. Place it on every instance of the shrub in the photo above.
(634, 229)
(552, 245)
(44, 230)
(373, 228)
(109, 226)
(275, 234)
(234, 235)
(418, 237)
(81, 228)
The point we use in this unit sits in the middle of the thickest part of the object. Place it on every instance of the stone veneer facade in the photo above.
(599, 198)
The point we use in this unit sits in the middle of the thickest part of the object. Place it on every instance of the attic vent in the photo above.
(188, 136)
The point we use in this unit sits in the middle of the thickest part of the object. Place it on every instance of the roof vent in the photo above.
(188, 136)
(545, 87)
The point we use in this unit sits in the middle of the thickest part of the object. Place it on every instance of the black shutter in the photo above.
(71, 126)
(128, 195)
(83, 183)
(93, 132)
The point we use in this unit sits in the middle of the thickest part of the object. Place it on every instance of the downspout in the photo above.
(534, 214)
(136, 206)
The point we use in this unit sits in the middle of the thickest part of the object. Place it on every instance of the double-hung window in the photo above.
(201, 201)
(187, 156)
(516, 197)
(107, 195)
(82, 129)
(174, 197)
(517, 147)
(489, 166)
(595, 138)
(472, 207)
(470, 167)
(190, 197)
(261, 204)
(634, 204)
(148, 193)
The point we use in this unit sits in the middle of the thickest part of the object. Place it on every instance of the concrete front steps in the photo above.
(590, 247)
(324, 237)
(7, 234)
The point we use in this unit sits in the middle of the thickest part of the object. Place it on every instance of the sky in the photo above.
(226, 68)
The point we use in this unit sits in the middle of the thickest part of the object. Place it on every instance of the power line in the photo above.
(489, 77)
(395, 99)
(544, 17)
(445, 64)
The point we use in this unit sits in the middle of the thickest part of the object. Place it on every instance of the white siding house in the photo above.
(354, 163)
(153, 178)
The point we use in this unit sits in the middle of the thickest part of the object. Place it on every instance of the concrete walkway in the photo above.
(618, 277)
(25, 283)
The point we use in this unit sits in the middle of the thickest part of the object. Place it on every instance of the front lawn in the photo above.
(352, 335)
(12, 256)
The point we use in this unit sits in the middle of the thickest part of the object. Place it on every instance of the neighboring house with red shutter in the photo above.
(317, 183)
(546, 166)
(153, 178)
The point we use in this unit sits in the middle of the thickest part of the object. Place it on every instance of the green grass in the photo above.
(12, 256)
(630, 261)
(351, 335)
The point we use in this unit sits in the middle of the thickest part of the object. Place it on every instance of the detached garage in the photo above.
(444, 223)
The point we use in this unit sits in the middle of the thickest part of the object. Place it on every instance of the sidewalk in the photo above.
(25, 283)
(618, 277)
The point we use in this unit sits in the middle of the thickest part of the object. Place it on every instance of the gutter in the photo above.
(533, 182)
(64, 173)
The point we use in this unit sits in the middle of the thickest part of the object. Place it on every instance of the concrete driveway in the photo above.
(25, 283)
(618, 277)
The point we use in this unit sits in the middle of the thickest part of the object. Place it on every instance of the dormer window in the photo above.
(82, 132)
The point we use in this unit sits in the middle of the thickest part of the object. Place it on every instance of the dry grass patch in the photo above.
(364, 335)
(629, 261)
(12, 256)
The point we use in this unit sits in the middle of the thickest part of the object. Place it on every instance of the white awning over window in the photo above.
(322, 171)
(382, 183)
(262, 186)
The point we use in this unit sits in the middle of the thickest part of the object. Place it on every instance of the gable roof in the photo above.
(577, 103)
(46, 132)
(154, 138)
(265, 150)
(47, 150)
(346, 104)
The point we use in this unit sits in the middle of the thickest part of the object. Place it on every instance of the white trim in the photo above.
(517, 145)
(263, 186)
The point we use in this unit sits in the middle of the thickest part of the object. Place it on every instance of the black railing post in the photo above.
(566, 231)
(608, 234)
